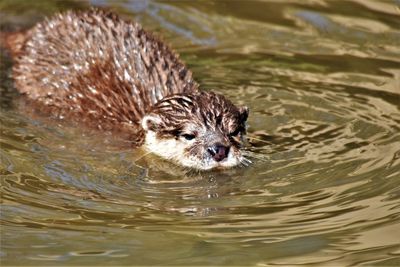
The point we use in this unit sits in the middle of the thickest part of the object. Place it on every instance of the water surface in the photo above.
(322, 80)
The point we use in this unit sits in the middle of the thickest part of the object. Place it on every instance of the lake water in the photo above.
(322, 80)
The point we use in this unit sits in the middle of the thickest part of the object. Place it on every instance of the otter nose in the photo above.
(218, 152)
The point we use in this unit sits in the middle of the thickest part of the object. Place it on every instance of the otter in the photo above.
(100, 69)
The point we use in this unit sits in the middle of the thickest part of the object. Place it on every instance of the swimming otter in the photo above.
(97, 68)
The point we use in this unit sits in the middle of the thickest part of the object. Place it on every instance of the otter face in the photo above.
(200, 130)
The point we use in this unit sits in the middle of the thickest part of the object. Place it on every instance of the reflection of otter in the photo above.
(94, 67)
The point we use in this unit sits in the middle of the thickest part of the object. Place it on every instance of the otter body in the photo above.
(106, 71)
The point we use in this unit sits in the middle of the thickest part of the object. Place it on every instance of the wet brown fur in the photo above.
(97, 68)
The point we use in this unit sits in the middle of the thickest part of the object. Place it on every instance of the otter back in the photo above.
(94, 65)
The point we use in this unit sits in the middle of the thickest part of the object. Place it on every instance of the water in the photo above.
(322, 80)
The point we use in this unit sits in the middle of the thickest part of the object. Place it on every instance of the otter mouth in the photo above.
(220, 159)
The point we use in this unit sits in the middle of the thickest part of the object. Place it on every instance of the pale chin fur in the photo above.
(174, 150)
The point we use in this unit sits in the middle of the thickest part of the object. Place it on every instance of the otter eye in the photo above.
(235, 133)
(188, 136)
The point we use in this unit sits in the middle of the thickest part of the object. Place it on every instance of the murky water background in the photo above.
(322, 79)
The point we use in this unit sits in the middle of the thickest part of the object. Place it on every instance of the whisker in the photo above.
(245, 162)
(259, 140)
(136, 160)
(254, 155)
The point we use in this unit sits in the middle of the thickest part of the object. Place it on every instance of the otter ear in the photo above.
(244, 113)
(151, 123)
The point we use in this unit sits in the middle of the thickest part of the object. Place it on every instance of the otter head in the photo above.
(200, 130)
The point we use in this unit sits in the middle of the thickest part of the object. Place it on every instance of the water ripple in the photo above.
(322, 83)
